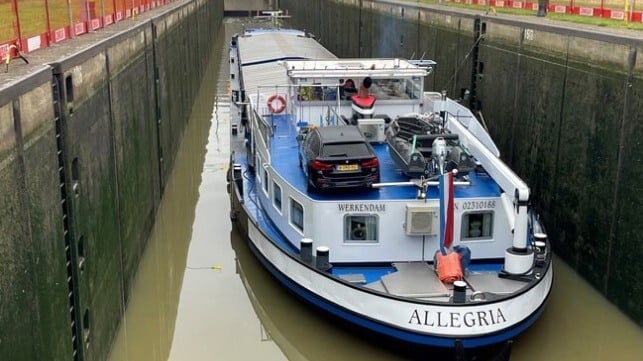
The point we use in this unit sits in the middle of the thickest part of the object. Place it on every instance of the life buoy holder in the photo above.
(279, 107)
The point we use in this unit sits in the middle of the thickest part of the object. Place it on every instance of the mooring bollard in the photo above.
(323, 257)
(459, 291)
(306, 250)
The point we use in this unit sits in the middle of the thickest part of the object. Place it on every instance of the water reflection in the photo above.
(200, 294)
(298, 332)
(148, 328)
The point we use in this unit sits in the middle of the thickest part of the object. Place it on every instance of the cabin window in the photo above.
(360, 228)
(477, 225)
(296, 215)
(264, 170)
(276, 196)
(413, 88)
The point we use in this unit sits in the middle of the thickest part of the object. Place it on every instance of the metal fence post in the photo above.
(542, 8)
(14, 6)
(72, 32)
(47, 22)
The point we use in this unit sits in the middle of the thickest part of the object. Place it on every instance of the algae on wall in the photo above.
(567, 127)
(33, 296)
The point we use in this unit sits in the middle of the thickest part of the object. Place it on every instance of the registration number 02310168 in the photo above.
(347, 167)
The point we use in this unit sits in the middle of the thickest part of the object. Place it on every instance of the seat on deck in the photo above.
(366, 102)
(363, 105)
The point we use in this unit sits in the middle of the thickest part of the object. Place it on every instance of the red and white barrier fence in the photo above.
(635, 17)
(89, 21)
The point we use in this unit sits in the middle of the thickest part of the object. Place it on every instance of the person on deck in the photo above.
(348, 89)
(364, 88)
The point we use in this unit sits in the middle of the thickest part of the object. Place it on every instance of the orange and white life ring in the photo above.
(276, 103)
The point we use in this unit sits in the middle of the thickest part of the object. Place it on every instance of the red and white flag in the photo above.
(446, 211)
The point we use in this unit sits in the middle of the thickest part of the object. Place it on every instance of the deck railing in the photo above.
(311, 104)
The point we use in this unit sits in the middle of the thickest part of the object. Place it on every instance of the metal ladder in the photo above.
(72, 281)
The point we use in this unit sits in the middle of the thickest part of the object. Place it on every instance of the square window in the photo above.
(360, 228)
(477, 226)
(265, 179)
(276, 194)
(296, 215)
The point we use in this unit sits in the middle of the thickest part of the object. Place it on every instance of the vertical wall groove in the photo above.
(68, 234)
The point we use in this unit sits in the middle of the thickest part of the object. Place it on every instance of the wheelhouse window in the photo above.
(276, 196)
(360, 228)
(478, 225)
(317, 92)
(296, 215)
(397, 89)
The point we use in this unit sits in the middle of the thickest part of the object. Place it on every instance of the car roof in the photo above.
(340, 134)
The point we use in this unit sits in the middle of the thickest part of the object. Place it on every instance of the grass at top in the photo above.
(32, 16)
(33, 20)
(589, 20)
(597, 21)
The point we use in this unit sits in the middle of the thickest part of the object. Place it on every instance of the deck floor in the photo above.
(414, 279)
(284, 158)
(419, 280)
(490, 282)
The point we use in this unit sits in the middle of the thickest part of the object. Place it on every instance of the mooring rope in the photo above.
(463, 61)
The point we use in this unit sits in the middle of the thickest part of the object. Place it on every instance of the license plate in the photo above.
(347, 167)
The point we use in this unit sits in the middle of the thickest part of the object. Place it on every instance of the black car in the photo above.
(337, 157)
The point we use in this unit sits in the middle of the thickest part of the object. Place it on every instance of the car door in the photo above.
(308, 149)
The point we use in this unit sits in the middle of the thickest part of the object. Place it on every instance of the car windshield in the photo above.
(345, 150)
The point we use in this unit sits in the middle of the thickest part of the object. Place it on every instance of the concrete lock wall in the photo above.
(87, 144)
(32, 261)
(562, 104)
